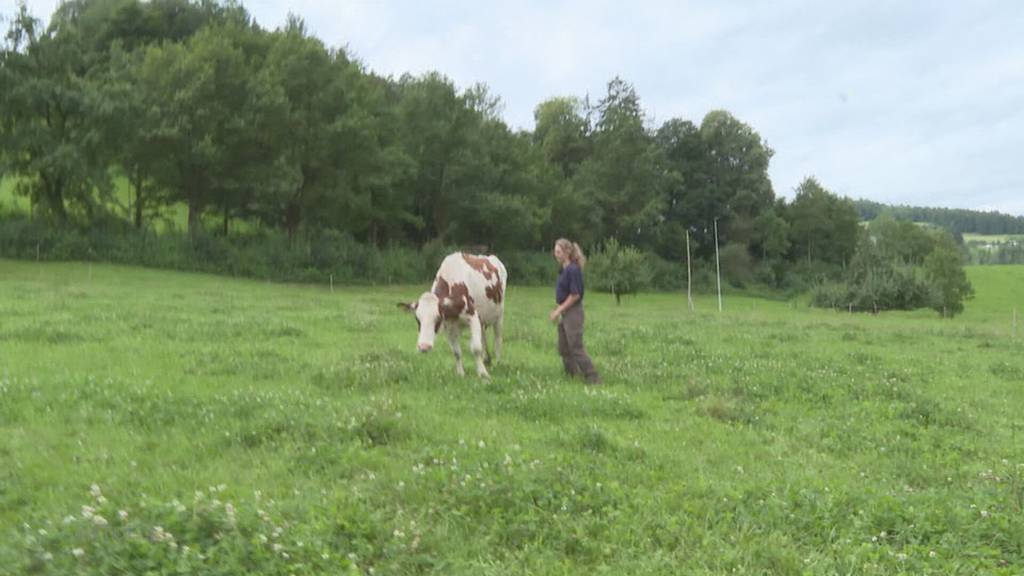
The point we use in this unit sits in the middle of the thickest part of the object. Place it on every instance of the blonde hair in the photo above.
(573, 251)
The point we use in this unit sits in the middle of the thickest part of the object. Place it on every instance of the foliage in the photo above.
(950, 287)
(823, 226)
(618, 269)
(956, 220)
(899, 266)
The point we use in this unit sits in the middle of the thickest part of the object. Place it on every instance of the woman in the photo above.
(569, 297)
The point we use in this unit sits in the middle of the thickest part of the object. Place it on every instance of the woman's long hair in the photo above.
(573, 250)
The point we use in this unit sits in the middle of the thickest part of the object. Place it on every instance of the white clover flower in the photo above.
(68, 519)
(47, 556)
(87, 512)
(263, 538)
(122, 514)
(95, 491)
(78, 552)
(99, 520)
(932, 554)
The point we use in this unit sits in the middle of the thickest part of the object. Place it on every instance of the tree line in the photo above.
(956, 220)
(197, 106)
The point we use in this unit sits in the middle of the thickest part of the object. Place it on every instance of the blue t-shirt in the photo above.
(570, 281)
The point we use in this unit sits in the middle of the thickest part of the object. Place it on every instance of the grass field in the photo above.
(183, 423)
(172, 217)
(993, 238)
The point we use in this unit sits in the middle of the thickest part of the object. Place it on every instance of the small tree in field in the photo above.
(948, 281)
(618, 269)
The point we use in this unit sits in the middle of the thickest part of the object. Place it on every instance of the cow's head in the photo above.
(428, 318)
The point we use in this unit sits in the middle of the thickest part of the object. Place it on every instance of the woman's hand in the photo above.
(572, 299)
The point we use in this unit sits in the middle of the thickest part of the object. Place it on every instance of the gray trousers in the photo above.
(570, 345)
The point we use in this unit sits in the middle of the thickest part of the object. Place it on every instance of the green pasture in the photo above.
(173, 217)
(171, 423)
(993, 238)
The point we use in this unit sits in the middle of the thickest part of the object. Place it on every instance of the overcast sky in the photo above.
(916, 103)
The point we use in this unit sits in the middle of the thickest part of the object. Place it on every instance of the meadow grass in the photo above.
(184, 423)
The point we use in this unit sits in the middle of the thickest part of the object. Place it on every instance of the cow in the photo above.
(467, 289)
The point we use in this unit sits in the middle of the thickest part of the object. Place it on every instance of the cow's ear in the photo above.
(408, 306)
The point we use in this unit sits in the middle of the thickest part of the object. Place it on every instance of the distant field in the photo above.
(8, 199)
(993, 238)
(175, 216)
(281, 428)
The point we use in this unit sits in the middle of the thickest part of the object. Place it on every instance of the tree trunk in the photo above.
(193, 218)
(292, 218)
(138, 198)
(53, 197)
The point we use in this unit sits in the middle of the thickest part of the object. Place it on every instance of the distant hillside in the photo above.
(957, 220)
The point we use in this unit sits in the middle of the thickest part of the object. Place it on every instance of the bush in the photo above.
(737, 266)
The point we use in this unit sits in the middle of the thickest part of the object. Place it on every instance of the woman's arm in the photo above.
(565, 305)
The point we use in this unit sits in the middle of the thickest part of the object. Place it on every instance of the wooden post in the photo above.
(689, 281)
(718, 268)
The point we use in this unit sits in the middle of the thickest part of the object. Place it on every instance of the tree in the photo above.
(947, 279)
(687, 203)
(625, 176)
(561, 130)
(736, 175)
(436, 124)
(823, 226)
(618, 269)
(48, 133)
(206, 114)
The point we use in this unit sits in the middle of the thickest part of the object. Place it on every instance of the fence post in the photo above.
(332, 282)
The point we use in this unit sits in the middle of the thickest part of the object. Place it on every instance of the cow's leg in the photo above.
(476, 345)
(452, 331)
(487, 349)
(499, 325)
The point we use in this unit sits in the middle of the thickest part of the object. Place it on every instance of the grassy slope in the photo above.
(769, 439)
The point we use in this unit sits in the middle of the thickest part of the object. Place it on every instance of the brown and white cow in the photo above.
(469, 290)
